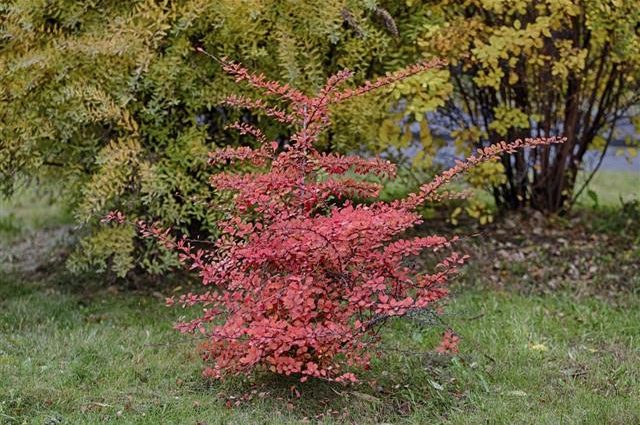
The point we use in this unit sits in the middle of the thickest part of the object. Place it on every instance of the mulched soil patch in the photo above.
(586, 254)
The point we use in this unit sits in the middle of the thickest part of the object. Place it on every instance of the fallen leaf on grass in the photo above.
(93, 406)
(538, 347)
(436, 385)
(365, 397)
(517, 393)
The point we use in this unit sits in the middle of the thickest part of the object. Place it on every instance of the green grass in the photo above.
(77, 354)
(588, 373)
(30, 209)
(610, 187)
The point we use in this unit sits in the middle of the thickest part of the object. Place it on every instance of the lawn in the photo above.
(30, 209)
(609, 188)
(552, 338)
(70, 353)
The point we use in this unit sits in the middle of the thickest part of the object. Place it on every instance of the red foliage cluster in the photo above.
(302, 278)
(449, 343)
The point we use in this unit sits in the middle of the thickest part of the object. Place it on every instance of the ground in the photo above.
(547, 314)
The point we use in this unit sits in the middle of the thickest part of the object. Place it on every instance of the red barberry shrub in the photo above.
(302, 278)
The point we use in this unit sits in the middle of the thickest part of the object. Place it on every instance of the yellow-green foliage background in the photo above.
(110, 99)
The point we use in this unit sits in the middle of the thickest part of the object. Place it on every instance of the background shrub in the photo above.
(110, 99)
(536, 68)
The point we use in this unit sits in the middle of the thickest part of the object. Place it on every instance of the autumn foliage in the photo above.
(302, 278)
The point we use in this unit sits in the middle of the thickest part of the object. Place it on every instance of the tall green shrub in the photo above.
(109, 99)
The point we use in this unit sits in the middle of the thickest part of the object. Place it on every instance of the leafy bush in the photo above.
(534, 68)
(109, 99)
(301, 278)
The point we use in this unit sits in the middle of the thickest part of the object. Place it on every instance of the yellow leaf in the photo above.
(538, 347)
